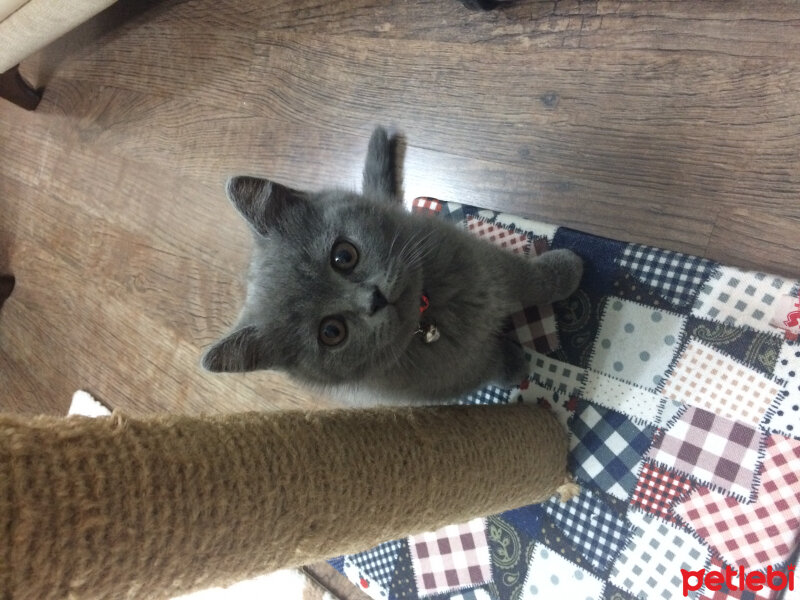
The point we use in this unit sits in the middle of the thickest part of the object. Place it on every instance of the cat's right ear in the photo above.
(241, 350)
(261, 201)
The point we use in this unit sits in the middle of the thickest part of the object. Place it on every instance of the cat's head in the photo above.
(333, 289)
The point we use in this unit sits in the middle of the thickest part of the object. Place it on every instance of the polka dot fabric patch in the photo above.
(549, 575)
(708, 379)
(650, 566)
(638, 404)
(636, 343)
(784, 416)
(740, 298)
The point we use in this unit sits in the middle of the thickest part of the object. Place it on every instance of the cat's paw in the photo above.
(566, 270)
(515, 364)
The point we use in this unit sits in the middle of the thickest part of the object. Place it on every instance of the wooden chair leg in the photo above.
(15, 89)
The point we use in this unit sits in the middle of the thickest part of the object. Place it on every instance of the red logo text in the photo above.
(737, 579)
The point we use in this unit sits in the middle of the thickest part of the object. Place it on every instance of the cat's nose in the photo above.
(378, 301)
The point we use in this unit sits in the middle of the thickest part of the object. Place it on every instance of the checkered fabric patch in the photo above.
(712, 450)
(630, 288)
(489, 395)
(424, 204)
(556, 375)
(726, 593)
(535, 328)
(740, 298)
(476, 594)
(378, 563)
(712, 381)
(650, 565)
(676, 276)
(606, 448)
(364, 581)
(658, 489)
(541, 231)
(764, 532)
(456, 556)
(502, 237)
(593, 526)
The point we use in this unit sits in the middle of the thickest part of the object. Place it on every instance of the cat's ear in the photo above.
(241, 350)
(261, 201)
(380, 168)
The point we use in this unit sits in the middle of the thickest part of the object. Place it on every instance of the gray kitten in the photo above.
(337, 281)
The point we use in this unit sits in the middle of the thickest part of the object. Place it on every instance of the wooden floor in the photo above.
(674, 123)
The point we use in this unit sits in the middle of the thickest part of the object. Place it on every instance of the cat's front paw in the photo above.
(515, 364)
(566, 269)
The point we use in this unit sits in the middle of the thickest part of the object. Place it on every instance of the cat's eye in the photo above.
(332, 331)
(344, 256)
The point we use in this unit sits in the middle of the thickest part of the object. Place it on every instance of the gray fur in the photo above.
(472, 285)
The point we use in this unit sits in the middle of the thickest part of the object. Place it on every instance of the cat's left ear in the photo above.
(241, 350)
(260, 201)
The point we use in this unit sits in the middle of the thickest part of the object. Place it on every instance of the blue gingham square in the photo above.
(606, 448)
(677, 277)
(593, 526)
(379, 562)
(489, 395)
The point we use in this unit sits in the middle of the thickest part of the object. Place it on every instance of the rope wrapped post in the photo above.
(116, 508)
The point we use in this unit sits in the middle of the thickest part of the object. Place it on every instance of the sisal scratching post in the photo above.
(118, 508)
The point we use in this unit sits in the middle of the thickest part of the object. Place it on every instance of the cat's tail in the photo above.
(380, 177)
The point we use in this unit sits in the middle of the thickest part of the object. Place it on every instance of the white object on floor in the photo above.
(84, 404)
(288, 584)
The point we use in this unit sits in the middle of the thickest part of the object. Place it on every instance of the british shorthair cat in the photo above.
(351, 293)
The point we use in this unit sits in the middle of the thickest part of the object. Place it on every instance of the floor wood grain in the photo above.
(672, 123)
(667, 122)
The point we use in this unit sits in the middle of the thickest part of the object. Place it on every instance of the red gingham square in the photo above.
(456, 556)
(657, 489)
(424, 204)
(519, 243)
(761, 533)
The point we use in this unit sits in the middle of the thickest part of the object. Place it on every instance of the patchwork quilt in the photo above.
(678, 380)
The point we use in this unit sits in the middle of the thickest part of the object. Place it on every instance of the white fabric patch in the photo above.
(636, 343)
(635, 402)
(650, 566)
(708, 379)
(737, 297)
(550, 575)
